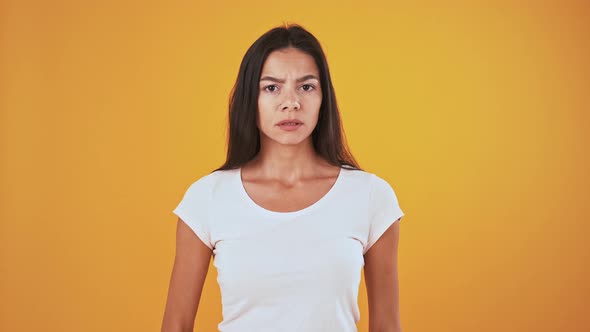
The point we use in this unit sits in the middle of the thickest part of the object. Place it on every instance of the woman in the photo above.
(289, 217)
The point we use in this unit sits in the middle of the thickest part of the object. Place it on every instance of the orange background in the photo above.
(477, 115)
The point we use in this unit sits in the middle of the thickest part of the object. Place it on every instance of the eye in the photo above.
(270, 86)
(311, 87)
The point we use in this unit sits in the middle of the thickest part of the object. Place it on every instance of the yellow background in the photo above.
(477, 115)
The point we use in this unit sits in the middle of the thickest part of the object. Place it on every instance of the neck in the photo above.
(287, 162)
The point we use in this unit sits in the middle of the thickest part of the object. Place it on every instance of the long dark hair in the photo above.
(243, 142)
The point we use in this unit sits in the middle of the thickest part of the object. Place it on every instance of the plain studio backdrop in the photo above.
(477, 114)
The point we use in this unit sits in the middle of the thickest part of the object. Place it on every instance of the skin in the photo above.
(381, 279)
(288, 167)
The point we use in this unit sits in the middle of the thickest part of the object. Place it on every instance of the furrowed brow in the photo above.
(301, 79)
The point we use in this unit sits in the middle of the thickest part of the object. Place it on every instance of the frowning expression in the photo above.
(289, 91)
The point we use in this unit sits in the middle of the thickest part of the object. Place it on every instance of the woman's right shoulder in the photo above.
(210, 180)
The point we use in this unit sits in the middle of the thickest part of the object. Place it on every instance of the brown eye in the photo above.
(311, 87)
(270, 86)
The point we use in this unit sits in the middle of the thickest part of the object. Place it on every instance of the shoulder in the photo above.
(380, 184)
(362, 177)
(381, 190)
(207, 183)
(376, 185)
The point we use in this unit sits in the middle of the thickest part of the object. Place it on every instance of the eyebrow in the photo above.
(301, 79)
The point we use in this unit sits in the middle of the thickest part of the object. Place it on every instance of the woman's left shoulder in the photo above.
(367, 177)
(356, 172)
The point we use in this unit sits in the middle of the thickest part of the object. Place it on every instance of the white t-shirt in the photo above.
(289, 271)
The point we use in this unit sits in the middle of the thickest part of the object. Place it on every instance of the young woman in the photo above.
(290, 218)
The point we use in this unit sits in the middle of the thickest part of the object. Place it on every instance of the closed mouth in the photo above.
(289, 122)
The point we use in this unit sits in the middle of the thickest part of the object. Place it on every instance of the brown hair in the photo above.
(243, 142)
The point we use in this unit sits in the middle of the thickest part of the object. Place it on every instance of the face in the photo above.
(289, 89)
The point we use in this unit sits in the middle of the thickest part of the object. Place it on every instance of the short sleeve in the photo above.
(193, 209)
(384, 210)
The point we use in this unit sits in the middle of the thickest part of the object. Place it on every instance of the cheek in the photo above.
(263, 117)
(317, 105)
(260, 113)
(266, 108)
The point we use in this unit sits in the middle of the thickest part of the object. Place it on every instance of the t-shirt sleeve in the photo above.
(384, 210)
(194, 207)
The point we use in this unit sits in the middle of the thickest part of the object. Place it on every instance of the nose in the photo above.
(290, 103)
(291, 106)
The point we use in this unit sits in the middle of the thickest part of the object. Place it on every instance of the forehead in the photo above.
(286, 62)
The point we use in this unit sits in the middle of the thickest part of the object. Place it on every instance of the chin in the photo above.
(289, 140)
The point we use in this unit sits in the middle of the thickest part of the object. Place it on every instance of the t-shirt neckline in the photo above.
(313, 206)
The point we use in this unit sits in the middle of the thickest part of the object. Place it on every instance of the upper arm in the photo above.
(381, 279)
(191, 264)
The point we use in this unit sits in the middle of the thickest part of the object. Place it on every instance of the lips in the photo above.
(291, 121)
